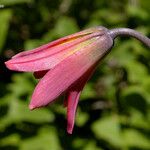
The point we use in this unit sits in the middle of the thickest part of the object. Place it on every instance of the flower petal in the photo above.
(73, 98)
(63, 75)
(60, 41)
(49, 55)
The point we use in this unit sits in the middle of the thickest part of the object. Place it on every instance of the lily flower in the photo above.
(65, 65)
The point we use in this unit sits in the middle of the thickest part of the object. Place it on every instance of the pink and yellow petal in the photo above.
(63, 75)
(60, 41)
(47, 58)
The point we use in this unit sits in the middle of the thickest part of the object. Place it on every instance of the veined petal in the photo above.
(63, 75)
(73, 97)
(61, 41)
(49, 55)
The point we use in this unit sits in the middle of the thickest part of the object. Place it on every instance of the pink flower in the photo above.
(64, 65)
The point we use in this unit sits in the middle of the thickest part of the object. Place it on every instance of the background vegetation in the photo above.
(113, 111)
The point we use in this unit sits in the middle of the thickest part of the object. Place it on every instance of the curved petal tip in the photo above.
(69, 130)
(9, 65)
(31, 107)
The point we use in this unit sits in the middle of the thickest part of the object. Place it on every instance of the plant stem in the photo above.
(130, 32)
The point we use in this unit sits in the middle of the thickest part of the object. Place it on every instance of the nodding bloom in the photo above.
(65, 65)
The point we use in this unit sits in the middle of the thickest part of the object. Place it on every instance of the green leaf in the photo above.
(121, 54)
(137, 72)
(88, 91)
(64, 26)
(137, 120)
(91, 145)
(5, 16)
(13, 2)
(13, 139)
(31, 44)
(81, 118)
(23, 84)
(46, 139)
(139, 89)
(133, 138)
(18, 112)
(108, 129)
(135, 11)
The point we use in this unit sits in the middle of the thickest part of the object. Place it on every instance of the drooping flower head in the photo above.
(64, 66)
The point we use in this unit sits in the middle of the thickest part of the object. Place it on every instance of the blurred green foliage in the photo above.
(113, 111)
